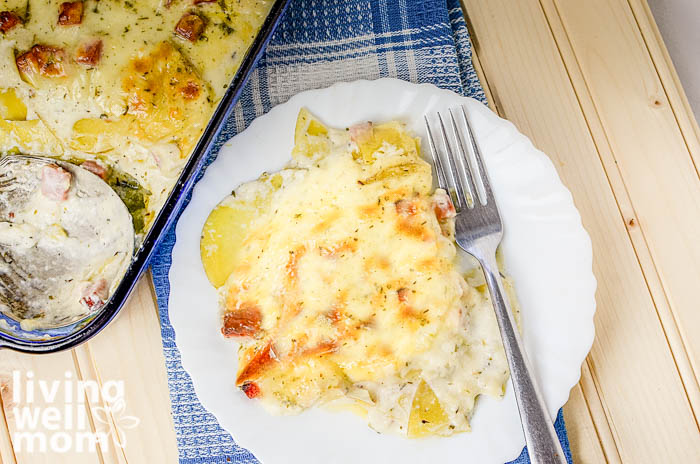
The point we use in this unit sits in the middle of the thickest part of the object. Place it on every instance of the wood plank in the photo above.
(7, 453)
(669, 78)
(651, 155)
(130, 350)
(113, 452)
(597, 413)
(16, 396)
(583, 438)
(522, 61)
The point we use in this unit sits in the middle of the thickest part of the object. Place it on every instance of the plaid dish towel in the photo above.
(320, 42)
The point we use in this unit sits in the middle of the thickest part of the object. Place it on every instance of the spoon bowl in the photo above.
(66, 241)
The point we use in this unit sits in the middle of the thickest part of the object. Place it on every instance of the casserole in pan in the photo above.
(134, 92)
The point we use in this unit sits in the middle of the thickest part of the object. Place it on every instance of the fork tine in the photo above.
(465, 164)
(437, 160)
(482, 174)
(460, 196)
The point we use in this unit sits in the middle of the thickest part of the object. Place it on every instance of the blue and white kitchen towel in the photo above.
(320, 42)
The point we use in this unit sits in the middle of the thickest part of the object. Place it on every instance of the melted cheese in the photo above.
(344, 286)
(142, 107)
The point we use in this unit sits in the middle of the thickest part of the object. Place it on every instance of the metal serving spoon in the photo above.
(66, 241)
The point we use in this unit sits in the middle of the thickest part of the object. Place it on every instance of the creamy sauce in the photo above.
(111, 110)
(64, 258)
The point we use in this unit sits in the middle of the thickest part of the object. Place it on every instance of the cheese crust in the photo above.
(345, 290)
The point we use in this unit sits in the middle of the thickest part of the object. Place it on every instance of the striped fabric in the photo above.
(318, 43)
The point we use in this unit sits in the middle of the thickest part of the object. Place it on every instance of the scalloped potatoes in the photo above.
(129, 84)
(339, 277)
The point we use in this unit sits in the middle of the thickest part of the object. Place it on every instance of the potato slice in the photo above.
(415, 175)
(222, 234)
(227, 226)
(392, 133)
(28, 136)
(311, 139)
(427, 416)
(98, 135)
(11, 107)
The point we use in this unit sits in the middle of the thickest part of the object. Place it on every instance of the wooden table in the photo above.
(592, 85)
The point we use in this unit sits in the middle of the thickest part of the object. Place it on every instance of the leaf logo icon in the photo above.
(121, 420)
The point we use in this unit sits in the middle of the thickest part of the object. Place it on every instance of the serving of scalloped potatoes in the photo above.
(340, 279)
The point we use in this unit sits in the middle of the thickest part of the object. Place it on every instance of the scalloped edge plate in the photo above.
(546, 249)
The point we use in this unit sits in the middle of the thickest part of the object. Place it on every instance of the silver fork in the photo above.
(478, 231)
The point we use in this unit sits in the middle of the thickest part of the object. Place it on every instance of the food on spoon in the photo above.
(65, 241)
(55, 182)
(339, 278)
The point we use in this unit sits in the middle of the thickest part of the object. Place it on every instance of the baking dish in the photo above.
(56, 339)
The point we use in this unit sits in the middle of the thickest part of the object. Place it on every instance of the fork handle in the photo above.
(542, 443)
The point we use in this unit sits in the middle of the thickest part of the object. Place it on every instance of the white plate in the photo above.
(546, 249)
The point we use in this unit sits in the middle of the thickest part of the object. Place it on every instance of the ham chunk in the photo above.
(89, 53)
(70, 13)
(55, 182)
(95, 294)
(360, 133)
(8, 20)
(251, 389)
(42, 59)
(95, 168)
(406, 207)
(190, 27)
(442, 205)
(242, 322)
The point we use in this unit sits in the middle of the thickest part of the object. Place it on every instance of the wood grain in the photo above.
(522, 61)
(669, 78)
(583, 437)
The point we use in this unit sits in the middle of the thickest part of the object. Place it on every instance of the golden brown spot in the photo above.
(414, 229)
(377, 262)
(322, 348)
(190, 90)
(155, 87)
(292, 267)
(427, 264)
(258, 362)
(338, 249)
(370, 211)
(326, 222)
(334, 315)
